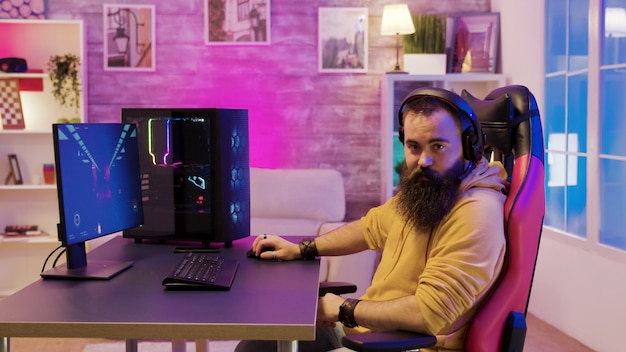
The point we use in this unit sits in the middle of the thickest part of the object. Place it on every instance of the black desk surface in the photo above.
(268, 300)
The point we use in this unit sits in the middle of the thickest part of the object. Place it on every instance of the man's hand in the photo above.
(328, 309)
(282, 249)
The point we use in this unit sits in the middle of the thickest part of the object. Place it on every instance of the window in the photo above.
(613, 126)
(565, 117)
(567, 120)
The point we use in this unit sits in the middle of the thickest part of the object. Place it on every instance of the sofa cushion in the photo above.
(297, 193)
(284, 226)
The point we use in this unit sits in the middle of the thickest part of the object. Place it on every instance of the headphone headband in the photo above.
(472, 137)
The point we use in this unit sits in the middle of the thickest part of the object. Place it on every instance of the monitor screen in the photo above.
(195, 174)
(98, 186)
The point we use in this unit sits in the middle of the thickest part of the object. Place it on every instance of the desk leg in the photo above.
(287, 346)
(5, 344)
(202, 345)
(179, 345)
(131, 345)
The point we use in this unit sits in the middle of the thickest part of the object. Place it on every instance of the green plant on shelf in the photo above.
(429, 36)
(66, 86)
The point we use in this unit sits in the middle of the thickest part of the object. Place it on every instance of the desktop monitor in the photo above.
(195, 175)
(99, 192)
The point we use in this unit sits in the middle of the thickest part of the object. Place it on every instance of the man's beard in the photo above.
(426, 196)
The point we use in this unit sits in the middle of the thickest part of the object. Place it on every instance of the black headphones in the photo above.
(472, 137)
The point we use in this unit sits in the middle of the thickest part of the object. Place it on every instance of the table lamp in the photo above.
(397, 21)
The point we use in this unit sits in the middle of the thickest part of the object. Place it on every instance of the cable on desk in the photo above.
(50, 255)
(59, 256)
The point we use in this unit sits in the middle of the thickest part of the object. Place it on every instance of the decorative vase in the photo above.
(425, 64)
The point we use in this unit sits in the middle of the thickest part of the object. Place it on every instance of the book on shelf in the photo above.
(24, 237)
(22, 230)
(27, 233)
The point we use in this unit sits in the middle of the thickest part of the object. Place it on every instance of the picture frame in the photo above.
(11, 104)
(16, 173)
(235, 22)
(474, 46)
(343, 39)
(129, 37)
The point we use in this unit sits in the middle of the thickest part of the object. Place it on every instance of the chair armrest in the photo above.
(392, 341)
(336, 287)
(514, 332)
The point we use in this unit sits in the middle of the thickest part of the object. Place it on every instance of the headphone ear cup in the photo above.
(468, 146)
(472, 148)
(401, 135)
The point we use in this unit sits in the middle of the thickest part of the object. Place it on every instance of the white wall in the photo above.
(579, 287)
(521, 44)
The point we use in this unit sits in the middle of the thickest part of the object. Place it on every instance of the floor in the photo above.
(541, 337)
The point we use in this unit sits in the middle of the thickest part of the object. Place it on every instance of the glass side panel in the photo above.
(401, 90)
(398, 160)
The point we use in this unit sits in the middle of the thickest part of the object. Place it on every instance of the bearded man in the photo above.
(441, 236)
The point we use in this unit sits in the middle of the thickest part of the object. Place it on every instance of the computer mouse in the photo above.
(251, 253)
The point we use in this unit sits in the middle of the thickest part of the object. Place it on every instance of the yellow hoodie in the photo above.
(450, 270)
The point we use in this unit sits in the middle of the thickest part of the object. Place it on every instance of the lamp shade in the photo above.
(615, 22)
(396, 20)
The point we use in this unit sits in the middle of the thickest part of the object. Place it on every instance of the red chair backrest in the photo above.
(524, 210)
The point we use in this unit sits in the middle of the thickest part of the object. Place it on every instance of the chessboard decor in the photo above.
(11, 104)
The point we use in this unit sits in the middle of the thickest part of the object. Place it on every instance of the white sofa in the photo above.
(307, 202)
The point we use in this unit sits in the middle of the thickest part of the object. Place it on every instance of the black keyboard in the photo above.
(202, 271)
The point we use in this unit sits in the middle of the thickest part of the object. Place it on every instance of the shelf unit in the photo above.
(394, 88)
(23, 74)
(34, 202)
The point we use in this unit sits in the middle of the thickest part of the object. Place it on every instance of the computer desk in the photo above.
(269, 300)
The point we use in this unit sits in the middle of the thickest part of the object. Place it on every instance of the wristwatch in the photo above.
(346, 312)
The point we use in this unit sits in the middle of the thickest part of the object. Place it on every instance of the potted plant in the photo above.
(425, 50)
(65, 78)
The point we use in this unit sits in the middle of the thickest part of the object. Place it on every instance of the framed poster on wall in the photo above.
(342, 39)
(129, 40)
(475, 42)
(235, 22)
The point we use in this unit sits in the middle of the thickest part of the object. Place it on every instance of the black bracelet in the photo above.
(308, 249)
(346, 312)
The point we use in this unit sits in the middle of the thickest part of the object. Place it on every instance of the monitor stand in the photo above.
(94, 270)
(78, 267)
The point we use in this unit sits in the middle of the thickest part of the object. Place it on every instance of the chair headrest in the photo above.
(508, 116)
(495, 117)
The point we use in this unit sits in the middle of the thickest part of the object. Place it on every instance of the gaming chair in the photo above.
(510, 120)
